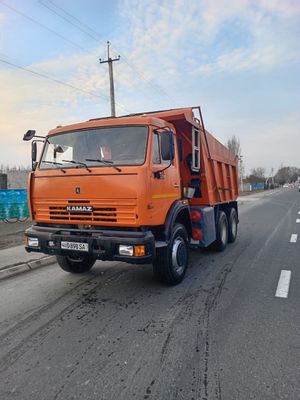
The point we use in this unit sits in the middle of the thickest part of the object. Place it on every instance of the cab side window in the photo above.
(155, 150)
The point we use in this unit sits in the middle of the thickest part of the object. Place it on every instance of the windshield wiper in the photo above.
(105, 162)
(54, 163)
(79, 163)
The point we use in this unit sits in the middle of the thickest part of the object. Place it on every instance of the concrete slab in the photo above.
(17, 255)
(16, 260)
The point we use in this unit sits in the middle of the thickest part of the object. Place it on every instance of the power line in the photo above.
(41, 75)
(96, 36)
(59, 35)
(42, 25)
(66, 19)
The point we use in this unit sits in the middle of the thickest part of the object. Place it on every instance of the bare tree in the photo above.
(234, 145)
(259, 172)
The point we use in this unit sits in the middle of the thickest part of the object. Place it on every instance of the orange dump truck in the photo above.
(141, 188)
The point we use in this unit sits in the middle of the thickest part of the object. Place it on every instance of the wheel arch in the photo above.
(178, 213)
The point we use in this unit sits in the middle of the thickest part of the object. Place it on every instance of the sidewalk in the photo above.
(12, 234)
(15, 260)
(13, 257)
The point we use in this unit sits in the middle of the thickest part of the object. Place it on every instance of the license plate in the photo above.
(75, 246)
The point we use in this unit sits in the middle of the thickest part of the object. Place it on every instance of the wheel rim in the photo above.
(234, 227)
(179, 255)
(223, 233)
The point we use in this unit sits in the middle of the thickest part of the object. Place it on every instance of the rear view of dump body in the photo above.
(140, 188)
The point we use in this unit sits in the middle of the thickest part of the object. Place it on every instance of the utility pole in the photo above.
(111, 79)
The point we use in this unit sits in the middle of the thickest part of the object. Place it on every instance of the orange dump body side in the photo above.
(217, 180)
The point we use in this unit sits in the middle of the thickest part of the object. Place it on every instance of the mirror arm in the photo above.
(157, 173)
(45, 139)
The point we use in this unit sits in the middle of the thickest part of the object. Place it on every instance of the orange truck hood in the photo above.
(112, 196)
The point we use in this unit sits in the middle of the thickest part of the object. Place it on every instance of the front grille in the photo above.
(104, 212)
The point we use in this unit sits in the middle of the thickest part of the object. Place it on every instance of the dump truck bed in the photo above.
(217, 180)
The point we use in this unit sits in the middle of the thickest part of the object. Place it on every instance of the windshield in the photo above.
(111, 146)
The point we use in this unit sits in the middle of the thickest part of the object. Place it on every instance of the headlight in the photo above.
(125, 250)
(33, 242)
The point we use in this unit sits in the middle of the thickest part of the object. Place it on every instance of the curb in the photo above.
(12, 270)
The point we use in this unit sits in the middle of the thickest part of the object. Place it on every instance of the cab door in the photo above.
(165, 179)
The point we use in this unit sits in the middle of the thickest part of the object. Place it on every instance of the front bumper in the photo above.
(102, 244)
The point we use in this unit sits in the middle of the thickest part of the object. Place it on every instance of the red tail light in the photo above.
(197, 234)
(195, 215)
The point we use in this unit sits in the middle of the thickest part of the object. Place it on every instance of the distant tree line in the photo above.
(4, 169)
(287, 175)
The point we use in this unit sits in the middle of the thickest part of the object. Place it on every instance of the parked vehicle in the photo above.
(141, 188)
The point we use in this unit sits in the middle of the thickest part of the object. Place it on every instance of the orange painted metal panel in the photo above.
(218, 173)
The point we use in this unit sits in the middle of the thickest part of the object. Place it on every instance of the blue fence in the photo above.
(13, 204)
(257, 186)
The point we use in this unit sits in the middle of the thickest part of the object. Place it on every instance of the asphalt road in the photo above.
(116, 333)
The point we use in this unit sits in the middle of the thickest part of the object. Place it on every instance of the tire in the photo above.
(171, 262)
(232, 225)
(76, 264)
(221, 232)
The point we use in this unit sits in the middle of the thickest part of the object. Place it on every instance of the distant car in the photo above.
(286, 185)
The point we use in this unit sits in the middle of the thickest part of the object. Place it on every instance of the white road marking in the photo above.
(283, 284)
(298, 221)
(247, 199)
(294, 238)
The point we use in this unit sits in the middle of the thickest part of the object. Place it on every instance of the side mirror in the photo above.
(167, 146)
(29, 135)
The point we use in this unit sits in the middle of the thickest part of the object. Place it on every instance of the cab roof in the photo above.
(155, 118)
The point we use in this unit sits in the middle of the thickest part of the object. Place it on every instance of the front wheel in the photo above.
(171, 262)
(76, 264)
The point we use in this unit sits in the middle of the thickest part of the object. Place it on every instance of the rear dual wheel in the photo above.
(232, 225)
(221, 232)
(226, 229)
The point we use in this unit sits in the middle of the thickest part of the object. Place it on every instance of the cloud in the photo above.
(3, 18)
(285, 8)
(188, 33)
(247, 59)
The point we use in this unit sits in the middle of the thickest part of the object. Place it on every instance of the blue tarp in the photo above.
(13, 204)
